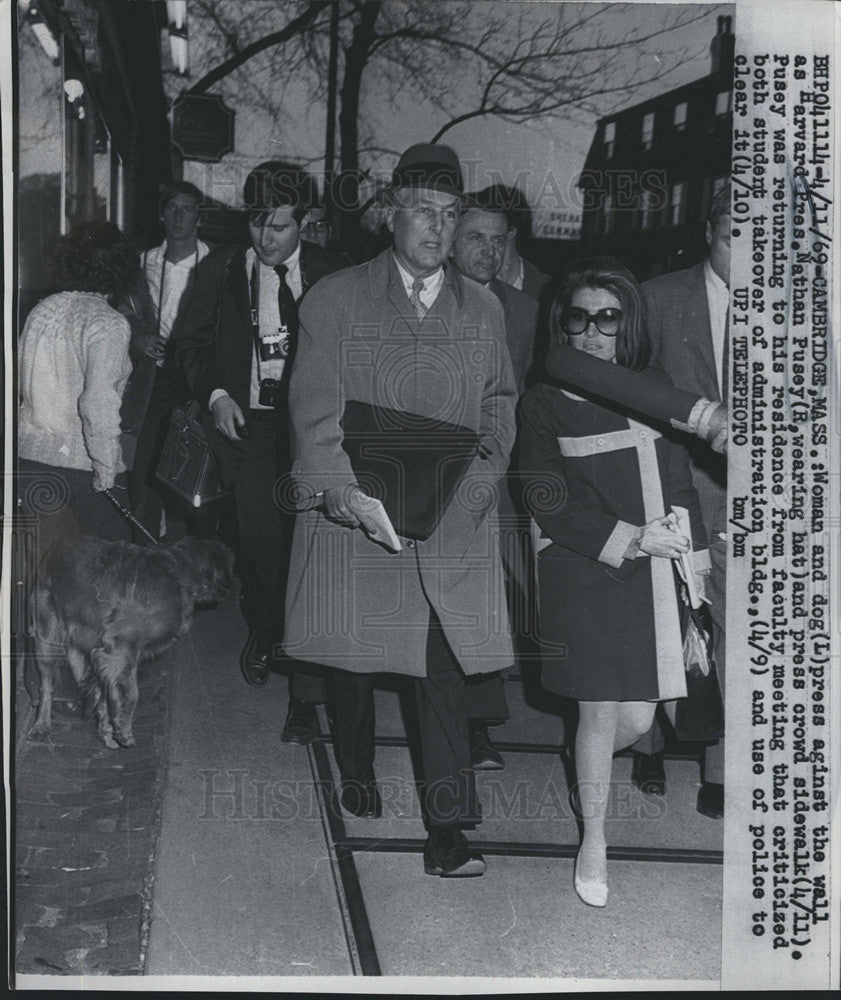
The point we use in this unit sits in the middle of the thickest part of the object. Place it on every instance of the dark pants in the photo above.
(148, 498)
(58, 503)
(353, 724)
(445, 700)
(449, 787)
(265, 535)
(42, 489)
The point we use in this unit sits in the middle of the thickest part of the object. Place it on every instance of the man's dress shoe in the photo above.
(648, 773)
(301, 724)
(484, 756)
(361, 798)
(255, 659)
(447, 853)
(711, 800)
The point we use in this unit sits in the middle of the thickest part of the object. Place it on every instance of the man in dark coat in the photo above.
(236, 349)
(401, 333)
(687, 314)
(516, 271)
(478, 250)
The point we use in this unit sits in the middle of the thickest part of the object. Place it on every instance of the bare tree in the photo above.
(515, 61)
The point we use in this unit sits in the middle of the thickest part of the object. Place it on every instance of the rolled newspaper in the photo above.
(638, 391)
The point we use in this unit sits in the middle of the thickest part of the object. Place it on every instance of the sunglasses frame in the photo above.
(591, 318)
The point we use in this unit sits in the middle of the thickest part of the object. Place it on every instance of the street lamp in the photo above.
(176, 11)
(41, 30)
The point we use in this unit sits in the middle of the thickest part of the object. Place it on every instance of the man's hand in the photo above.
(150, 345)
(227, 417)
(718, 430)
(346, 505)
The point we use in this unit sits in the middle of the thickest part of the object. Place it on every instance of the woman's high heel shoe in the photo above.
(593, 893)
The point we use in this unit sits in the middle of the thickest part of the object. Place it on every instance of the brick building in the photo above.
(93, 136)
(653, 168)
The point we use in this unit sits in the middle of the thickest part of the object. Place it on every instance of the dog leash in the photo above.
(127, 514)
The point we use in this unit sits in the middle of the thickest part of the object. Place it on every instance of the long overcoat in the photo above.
(350, 602)
(609, 626)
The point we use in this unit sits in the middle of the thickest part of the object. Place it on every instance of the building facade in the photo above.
(92, 132)
(653, 168)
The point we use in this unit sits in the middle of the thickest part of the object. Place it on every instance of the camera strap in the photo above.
(254, 291)
(276, 345)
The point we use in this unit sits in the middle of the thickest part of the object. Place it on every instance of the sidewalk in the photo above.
(254, 876)
(86, 824)
(244, 879)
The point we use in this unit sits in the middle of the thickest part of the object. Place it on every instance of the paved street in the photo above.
(234, 865)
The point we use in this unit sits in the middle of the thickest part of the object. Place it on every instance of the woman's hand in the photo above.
(659, 538)
(102, 480)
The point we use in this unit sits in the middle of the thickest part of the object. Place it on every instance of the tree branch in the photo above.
(296, 26)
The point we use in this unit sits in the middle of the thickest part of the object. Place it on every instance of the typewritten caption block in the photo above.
(782, 467)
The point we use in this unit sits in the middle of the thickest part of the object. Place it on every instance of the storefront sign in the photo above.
(558, 225)
(202, 127)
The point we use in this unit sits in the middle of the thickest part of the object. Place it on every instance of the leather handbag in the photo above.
(411, 463)
(187, 465)
(700, 715)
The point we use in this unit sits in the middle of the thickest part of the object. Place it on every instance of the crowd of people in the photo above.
(433, 350)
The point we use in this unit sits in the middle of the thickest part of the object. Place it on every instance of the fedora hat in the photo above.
(427, 165)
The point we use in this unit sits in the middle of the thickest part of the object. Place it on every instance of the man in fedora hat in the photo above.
(416, 341)
(236, 350)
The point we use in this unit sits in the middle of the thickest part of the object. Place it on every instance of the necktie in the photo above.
(286, 302)
(725, 361)
(415, 299)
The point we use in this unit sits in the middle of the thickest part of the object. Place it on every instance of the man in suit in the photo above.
(478, 249)
(689, 334)
(402, 333)
(168, 278)
(515, 269)
(518, 272)
(236, 349)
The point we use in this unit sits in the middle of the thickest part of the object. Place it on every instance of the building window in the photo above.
(677, 204)
(718, 184)
(609, 139)
(648, 209)
(723, 102)
(648, 130)
(680, 117)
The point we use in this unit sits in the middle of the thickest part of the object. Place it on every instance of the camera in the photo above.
(271, 392)
(274, 350)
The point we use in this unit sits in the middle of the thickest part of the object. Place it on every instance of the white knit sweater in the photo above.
(73, 367)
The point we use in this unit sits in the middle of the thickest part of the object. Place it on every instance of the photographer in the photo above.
(236, 350)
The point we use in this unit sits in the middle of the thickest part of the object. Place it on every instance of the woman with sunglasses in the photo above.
(601, 487)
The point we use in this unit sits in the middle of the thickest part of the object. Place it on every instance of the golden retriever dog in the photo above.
(109, 606)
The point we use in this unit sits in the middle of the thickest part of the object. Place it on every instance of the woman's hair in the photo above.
(633, 348)
(95, 257)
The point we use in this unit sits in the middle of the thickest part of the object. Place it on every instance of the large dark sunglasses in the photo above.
(575, 321)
